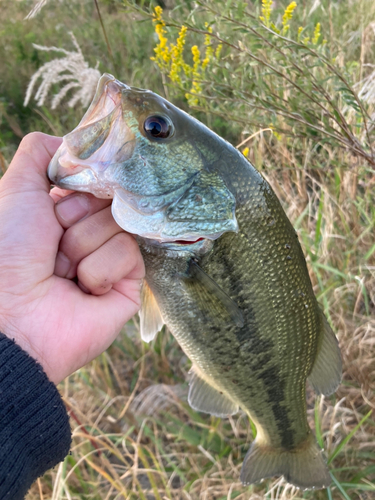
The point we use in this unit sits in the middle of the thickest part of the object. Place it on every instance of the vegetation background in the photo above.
(294, 86)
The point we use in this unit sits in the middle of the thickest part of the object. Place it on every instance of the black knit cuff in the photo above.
(34, 426)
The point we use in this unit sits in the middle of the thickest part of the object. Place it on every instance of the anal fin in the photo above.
(326, 373)
(203, 397)
(151, 320)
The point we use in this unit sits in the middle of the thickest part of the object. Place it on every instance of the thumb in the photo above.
(27, 171)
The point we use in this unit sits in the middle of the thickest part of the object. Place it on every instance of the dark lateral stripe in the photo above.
(276, 395)
(259, 347)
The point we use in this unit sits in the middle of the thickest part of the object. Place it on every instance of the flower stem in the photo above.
(105, 36)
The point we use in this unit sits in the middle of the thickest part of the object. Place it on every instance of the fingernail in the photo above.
(73, 209)
(62, 265)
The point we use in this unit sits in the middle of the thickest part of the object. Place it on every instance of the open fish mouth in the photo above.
(117, 151)
(101, 139)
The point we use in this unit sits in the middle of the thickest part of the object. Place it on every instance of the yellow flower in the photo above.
(196, 59)
(177, 56)
(300, 29)
(196, 86)
(208, 56)
(162, 53)
(274, 28)
(246, 152)
(218, 51)
(316, 36)
(207, 38)
(157, 15)
(288, 14)
(266, 12)
(209, 49)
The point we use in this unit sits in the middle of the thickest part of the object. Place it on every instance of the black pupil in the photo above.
(156, 126)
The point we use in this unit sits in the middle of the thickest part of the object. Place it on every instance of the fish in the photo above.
(224, 269)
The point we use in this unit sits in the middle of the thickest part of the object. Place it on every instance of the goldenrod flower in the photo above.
(170, 57)
(218, 51)
(209, 49)
(316, 36)
(162, 53)
(177, 56)
(266, 12)
(195, 89)
(288, 14)
(208, 56)
(274, 28)
(196, 59)
(246, 152)
(157, 15)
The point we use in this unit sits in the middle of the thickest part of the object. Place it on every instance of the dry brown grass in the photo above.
(134, 435)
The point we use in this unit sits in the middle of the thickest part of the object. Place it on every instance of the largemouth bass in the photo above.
(224, 269)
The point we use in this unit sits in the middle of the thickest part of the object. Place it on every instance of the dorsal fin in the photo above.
(326, 372)
(151, 320)
(203, 397)
(210, 297)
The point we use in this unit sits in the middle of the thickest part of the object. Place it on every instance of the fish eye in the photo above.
(158, 127)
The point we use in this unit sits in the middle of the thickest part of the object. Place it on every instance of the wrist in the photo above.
(9, 330)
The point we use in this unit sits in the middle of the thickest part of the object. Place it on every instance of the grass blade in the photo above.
(340, 446)
(340, 488)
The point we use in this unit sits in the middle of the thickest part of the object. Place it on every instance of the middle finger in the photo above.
(82, 239)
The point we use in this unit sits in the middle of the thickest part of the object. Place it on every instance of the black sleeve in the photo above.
(34, 426)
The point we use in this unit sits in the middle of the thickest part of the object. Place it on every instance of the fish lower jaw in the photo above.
(200, 246)
(84, 178)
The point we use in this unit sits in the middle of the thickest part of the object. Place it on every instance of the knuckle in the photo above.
(71, 242)
(92, 278)
(30, 140)
(128, 241)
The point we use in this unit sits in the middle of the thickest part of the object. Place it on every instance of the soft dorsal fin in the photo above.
(210, 297)
(203, 397)
(326, 373)
(151, 320)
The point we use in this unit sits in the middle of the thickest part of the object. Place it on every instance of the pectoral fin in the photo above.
(203, 397)
(210, 297)
(151, 320)
(326, 373)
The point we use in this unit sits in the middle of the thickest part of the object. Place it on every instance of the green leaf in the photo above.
(318, 428)
(319, 222)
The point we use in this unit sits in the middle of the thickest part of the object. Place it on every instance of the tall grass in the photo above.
(135, 436)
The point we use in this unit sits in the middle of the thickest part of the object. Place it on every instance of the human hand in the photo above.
(46, 240)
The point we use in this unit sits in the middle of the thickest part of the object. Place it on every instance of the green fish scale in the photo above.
(262, 366)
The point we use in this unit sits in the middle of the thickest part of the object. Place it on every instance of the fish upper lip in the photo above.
(107, 101)
(109, 90)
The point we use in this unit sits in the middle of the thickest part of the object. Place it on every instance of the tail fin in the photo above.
(303, 466)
